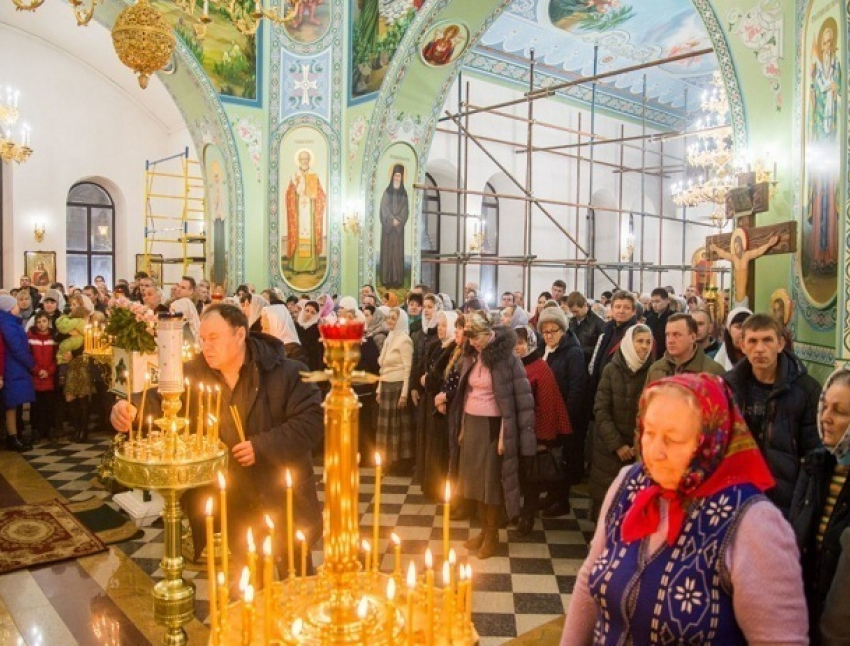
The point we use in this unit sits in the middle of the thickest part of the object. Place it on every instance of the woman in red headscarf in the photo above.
(687, 548)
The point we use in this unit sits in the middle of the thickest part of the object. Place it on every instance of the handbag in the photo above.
(547, 467)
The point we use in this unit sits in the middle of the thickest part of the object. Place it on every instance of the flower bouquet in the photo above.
(132, 327)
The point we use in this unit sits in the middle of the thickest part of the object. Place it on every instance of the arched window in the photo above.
(90, 237)
(430, 235)
(490, 246)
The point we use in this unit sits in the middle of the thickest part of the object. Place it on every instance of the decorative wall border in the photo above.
(333, 41)
(815, 353)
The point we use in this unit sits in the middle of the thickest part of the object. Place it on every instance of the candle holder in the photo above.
(170, 460)
(345, 604)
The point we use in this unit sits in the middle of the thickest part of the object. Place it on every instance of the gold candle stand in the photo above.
(344, 604)
(170, 463)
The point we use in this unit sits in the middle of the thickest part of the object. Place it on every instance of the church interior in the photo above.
(610, 144)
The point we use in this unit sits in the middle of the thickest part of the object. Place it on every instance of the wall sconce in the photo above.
(39, 231)
(351, 222)
(476, 241)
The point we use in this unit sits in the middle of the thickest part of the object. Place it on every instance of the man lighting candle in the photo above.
(282, 418)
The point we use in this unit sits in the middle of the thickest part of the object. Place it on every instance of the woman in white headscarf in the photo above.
(252, 305)
(435, 435)
(308, 332)
(191, 321)
(424, 341)
(394, 436)
(277, 322)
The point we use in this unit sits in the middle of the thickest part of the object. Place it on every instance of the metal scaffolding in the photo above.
(656, 163)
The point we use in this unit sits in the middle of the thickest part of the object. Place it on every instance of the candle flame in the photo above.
(447, 573)
(366, 546)
(377, 459)
(209, 506)
(395, 539)
(267, 546)
(251, 546)
(269, 523)
(217, 388)
(390, 589)
(288, 479)
(452, 556)
(362, 608)
(222, 483)
(245, 579)
(297, 627)
(448, 491)
(220, 578)
(411, 576)
(249, 594)
(429, 559)
(299, 536)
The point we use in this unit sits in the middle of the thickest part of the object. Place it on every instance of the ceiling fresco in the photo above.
(563, 34)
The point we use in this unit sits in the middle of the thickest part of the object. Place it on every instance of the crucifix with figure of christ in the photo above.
(748, 242)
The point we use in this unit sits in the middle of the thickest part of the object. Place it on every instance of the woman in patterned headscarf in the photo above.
(395, 433)
(687, 548)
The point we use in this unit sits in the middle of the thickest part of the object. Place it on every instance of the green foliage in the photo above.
(560, 9)
(608, 20)
(236, 69)
(190, 39)
(130, 332)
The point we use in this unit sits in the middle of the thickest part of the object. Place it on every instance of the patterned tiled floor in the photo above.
(527, 584)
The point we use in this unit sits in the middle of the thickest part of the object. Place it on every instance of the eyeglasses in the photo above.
(551, 332)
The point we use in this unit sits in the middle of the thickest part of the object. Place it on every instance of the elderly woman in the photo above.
(191, 320)
(394, 436)
(820, 511)
(277, 322)
(615, 410)
(491, 420)
(688, 550)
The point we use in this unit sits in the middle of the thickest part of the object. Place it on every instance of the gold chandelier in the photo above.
(11, 150)
(145, 41)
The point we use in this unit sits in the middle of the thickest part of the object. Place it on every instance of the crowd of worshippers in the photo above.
(717, 466)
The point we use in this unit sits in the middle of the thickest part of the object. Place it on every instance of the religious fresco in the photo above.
(395, 200)
(217, 214)
(596, 15)
(378, 27)
(311, 21)
(228, 57)
(823, 88)
(304, 172)
(444, 43)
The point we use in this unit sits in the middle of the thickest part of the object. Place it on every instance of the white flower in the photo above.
(719, 510)
(688, 596)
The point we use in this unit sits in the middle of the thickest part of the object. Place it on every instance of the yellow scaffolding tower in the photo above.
(174, 215)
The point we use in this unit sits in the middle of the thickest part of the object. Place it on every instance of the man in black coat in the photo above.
(779, 402)
(283, 422)
(622, 318)
(656, 318)
(584, 324)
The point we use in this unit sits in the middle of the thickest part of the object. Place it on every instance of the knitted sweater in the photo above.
(396, 360)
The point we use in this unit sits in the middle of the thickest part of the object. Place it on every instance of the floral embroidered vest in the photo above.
(679, 594)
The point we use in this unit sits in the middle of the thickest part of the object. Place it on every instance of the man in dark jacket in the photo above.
(565, 358)
(282, 418)
(683, 354)
(779, 401)
(584, 324)
(622, 318)
(656, 319)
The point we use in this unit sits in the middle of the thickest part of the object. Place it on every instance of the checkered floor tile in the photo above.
(527, 584)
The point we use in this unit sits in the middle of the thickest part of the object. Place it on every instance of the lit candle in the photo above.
(222, 484)
(252, 559)
(270, 525)
(448, 497)
(209, 402)
(447, 602)
(461, 594)
(268, 569)
(397, 549)
(188, 385)
(144, 396)
(411, 589)
(453, 566)
(469, 594)
(217, 401)
(302, 539)
(129, 386)
(248, 616)
(290, 536)
(429, 597)
(367, 551)
(200, 410)
(390, 610)
(211, 571)
(223, 601)
(377, 519)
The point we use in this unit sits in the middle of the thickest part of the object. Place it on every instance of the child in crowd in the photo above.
(43, 348)
(73, 370)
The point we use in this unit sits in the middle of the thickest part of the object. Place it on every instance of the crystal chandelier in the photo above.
(11, 150)
(712, 153)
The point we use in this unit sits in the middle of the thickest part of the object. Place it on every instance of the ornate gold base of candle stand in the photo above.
(346, 604)
(169, 461)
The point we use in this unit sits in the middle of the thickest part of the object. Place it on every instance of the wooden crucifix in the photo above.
(748, 242)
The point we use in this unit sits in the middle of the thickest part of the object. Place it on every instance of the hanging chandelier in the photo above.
(145, 41)
(10, 149)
